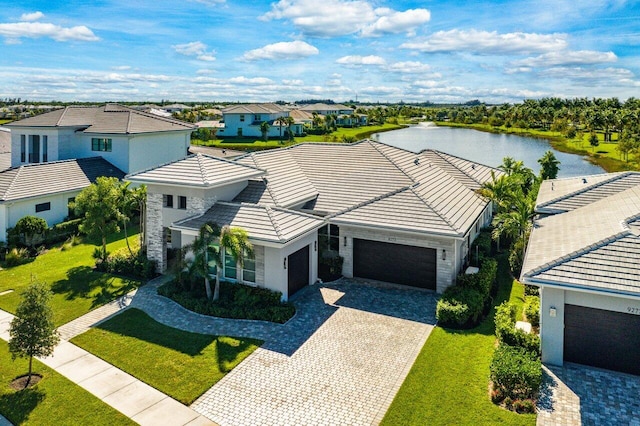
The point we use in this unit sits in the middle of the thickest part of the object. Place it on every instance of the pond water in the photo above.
(485, 148)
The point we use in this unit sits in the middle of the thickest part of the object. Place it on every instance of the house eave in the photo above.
(574, 287)
(456, 236)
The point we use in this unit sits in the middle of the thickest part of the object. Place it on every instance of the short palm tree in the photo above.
(201, 247)
(281, 121)
(235, 241)
(264, 128)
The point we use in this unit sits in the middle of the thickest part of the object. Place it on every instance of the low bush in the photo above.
(516, 255)
(524, 406)
(532, 310)
(17, 256)
(481, 246)
(531, 290)
(135, 265)
(516, 372)
(505, 320)
(62, 231)
(459, 306)
(236, 301)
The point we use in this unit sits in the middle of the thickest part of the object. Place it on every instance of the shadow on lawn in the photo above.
(84, 282)
(228, 353)
(16, 406)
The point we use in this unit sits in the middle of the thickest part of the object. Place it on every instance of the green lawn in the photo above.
(449, 382)
(54, 401)
(181, 364)
(76, 287)
(358, 133)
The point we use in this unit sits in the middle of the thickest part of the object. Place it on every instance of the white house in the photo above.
(45, 190)
(129, 139)
(244, 120)
(584, 255)
(393, 215)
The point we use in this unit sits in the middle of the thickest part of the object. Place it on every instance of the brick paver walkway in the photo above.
(340, 360)
(577, 394)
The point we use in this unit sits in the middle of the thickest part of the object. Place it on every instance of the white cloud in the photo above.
(40, 29)
(357, 60)
(409, 67)
(121, 68)
(255, 81)
(283, 50)
(197, 49)
(601, 75)
(296, 82)
(489, 43)
(341, 17)
(397, 22)
(31, 16)
(567, 58)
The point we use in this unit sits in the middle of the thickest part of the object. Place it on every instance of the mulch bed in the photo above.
(20, 383)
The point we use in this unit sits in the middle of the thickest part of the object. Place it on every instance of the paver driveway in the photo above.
(349, 349)
(580, 395)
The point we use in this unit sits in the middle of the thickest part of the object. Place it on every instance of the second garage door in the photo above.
(298, 272)
(395, 263)
(603, 339)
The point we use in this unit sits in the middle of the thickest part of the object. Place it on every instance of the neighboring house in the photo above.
(129, 139)
(176, 108)
(5, 148)
(584, 255)
(328, 109)
(244, 120)
(393, 215)
(45, 190)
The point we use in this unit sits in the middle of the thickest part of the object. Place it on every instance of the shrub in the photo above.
(531, 290)
(31, 230)
(532, 310)
(483, 281)
(516, 372)
(524, 406)
(62, 231)
(17, 256)
(134, 265)
(483, 243)
(516, 255)
(505, 320)
(459, 306)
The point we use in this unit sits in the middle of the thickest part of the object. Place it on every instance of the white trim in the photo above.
(402, 231)
(573, 287)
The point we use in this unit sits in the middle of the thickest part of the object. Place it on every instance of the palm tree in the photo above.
(234, 241)
(516, 222)
(201, 247)
(126, 206)
(549, 166)
(264, 128)
(289, 121)
(281, 121)
(500, 190)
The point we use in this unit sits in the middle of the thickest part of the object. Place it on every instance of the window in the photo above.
(182, 202)
(257, 117)
(239, 132)
(213, 267)
(45, 148)
(229, 266)
(23, 148)
(34, 148)
(329, 238)
(241, 117)
(167, 201)
(43, 207)
(249, 270)
(101, 144)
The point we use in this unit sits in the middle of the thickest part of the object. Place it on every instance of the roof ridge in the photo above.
(264, 179)
(7, 193)
(275, 224)
(436, 211)
(372, 143)
(441, 156)
(129, 115)
(577, 253)
(62, 115)
(203, 171)
(617, 176)
(371, 200)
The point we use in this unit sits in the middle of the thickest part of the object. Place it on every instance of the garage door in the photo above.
(298, 270)
(395, 263)
(603, 339)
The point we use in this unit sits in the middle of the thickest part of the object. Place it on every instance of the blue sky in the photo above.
(372, 50)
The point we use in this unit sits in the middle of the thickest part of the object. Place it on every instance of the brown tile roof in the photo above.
(106, 119)
(36, 180)
(254, 109)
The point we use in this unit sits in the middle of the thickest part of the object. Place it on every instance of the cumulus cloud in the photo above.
(19, 30)
(567, 58)
(283, 50)
(197, 49)
(294, 82)
(602, 75)
(29, 17)
(255, 81)
(409, 67)
(342, 17)
(357, 60)
(393, 22)
(121, 68)
(489, 43)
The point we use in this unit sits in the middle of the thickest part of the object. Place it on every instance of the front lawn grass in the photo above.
(449, 382)
(54, 401)
(77, 288)
(181, 364)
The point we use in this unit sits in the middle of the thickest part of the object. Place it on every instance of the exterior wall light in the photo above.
(345, 241)
(284, 263)
(315, 245)
(444, 254)
(552, 311)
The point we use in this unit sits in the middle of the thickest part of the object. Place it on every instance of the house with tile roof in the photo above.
(584, 255)
(45, 190)
(244, 120)
(391, 214)
(56, 154)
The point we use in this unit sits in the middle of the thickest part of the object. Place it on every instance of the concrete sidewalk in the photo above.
(135, 399)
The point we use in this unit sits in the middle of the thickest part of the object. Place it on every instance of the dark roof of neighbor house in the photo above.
(35, 180)
(197, 170)
(593, 246)
(105, 119)
(261, 222)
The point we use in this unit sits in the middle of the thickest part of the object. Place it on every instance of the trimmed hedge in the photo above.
(459, 306)
(532, 310)
(122, 262)
(237, 301)
(515, 372)
(505, 320)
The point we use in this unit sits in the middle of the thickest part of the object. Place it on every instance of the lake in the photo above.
(485, 148)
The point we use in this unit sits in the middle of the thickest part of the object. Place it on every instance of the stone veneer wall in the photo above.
(199, 205)
(154, 231)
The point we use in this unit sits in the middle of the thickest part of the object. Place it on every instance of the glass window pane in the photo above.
(230, 271)
(334, 244)
(249, 276)
(335, 231)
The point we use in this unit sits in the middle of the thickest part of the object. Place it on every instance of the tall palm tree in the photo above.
(201, 247)
(234, 241)
(281, 121)
(289, 121)
(264, 128)
(500, 190)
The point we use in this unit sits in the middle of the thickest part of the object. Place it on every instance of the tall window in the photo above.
(34, 148)
(23, 148)
(45, 148)
(213, 267)
(241, 117)
(101, 144)
(249, 270)
(257, 117)
(329, 238)
(167, 200)
(229, 266)
(182, 202)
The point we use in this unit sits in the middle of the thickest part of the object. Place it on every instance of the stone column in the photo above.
(156, 245)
